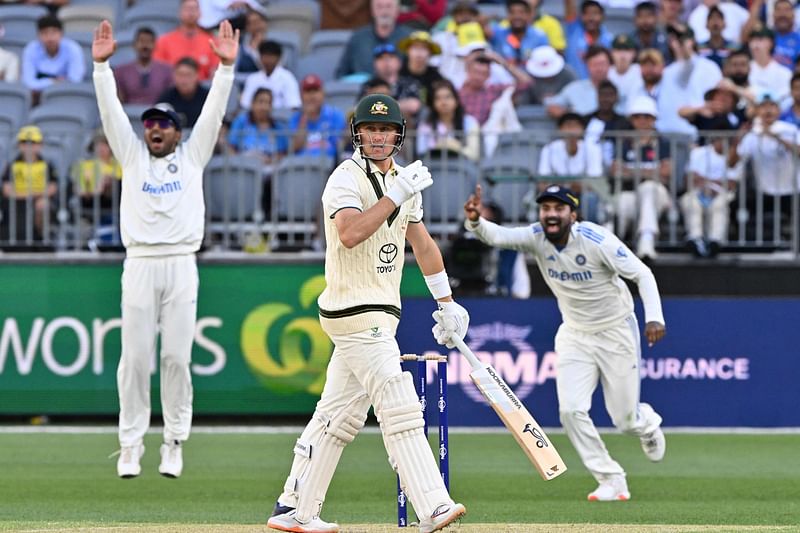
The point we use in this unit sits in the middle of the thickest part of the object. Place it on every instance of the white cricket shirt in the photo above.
(585, 274)
(363, 282)
(162, 211)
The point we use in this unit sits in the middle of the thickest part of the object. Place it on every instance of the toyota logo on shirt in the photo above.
(387, 255)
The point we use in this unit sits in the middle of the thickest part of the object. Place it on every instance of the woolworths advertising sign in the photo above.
(258, 346)
(259, 349)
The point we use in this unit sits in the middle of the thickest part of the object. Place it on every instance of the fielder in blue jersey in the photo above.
(598, 341)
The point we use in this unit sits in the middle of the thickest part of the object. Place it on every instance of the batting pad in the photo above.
(400, 416)
(319, 460)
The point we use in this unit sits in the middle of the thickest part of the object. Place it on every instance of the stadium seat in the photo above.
(454, 179)
(70, 126)
(325, 51)
(342, 95)
(535, 118)
(15, 102)
(509, 182)
(150, 14)
(124, 52)
(134, 112)
(233, 187)
(296, 191)
(291, 46)
(493, 11)
(15, 43)
(74, 96)
(297, 17)
(619, 20)
(84, 17)
(523, 147)
(20, 20)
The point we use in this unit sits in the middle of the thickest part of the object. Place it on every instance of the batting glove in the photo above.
(452, 320)
(409, 181)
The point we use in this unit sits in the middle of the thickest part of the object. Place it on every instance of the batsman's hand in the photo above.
(452, 320)
(472, 207)
(409, 181)
(654, 332)
(103, 43)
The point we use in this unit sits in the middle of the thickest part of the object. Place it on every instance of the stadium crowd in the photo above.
(662, 115)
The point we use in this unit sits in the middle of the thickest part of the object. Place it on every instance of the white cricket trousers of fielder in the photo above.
(159, 296)
(360, 367)
(611, 357)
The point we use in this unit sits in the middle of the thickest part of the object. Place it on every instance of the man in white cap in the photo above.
(550, 75)
(639, 174)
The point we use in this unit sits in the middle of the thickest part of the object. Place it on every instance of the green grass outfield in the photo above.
(732, 482)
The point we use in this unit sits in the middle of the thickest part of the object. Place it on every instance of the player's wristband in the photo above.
(439, 285)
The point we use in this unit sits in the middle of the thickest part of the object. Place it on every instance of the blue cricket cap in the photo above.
(559, 193)
(385, 48)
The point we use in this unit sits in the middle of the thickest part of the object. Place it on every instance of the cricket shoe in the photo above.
(171, 459)
(441, 517)
(286, 521)
(128, 463)
(654, 445)
(614, 488)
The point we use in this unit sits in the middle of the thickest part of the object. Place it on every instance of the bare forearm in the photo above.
(359, 227)
(428, 255)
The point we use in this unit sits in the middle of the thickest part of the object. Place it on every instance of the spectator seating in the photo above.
(291, 46)
(300, 17)
(134, 112)
(85, 17)
(20, 20)
(618, 20)
(535, 118)
(325, 51)
(124, 52)
(233, 187)
(342, 95)
(454, 179)
(74, 96)
(297, 186)
(15, 102)
(521, 147)
(151, 14)
(509, 182)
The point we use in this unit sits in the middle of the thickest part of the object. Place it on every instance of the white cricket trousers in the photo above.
(715, 215)
(361, 365)
(611, 357)
(159, 296)
(648, 202)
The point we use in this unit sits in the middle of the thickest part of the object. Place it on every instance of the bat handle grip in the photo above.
(474, 362)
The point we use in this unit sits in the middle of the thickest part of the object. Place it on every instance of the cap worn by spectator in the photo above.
(650, 55)
(711, 93)
(765, 97)
(311, 82)
(545, 62)
(681, 32)
(470, 38)
(29, 134)
(163, 109)
(560, 194)
(386, 48)
(762, 31)
(623, 42)
(422, 37)
(643, 105)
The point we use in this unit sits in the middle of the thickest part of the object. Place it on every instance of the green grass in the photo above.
(234, 479)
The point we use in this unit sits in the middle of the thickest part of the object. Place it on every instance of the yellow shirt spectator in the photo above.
(550, 26)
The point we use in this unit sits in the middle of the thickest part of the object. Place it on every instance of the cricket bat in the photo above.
(527, 432)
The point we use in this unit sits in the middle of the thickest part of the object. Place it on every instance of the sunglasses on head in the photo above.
(163, 123)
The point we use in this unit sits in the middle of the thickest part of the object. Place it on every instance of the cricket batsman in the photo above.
(598, 341)
(371, 205)
(162, 215)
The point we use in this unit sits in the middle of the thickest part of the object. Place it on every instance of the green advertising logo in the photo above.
(302, 348)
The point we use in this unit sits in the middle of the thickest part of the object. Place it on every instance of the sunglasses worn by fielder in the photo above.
(163, 123)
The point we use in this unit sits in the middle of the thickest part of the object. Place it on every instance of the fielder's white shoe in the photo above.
(654, 445)
(615, 488)
(128, 463)
(288, 522)
(441, 517)
(171, 459)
